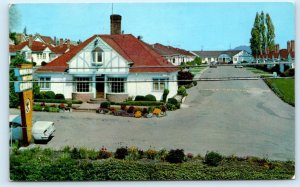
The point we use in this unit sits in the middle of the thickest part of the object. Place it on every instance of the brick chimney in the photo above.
(30, 40)
(288, 46)
(115, 24)
(293, 45)
(68, 43)
(61, 41)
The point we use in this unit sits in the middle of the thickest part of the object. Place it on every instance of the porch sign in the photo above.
(23, 72)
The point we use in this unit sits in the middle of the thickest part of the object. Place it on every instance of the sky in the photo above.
(191, 26)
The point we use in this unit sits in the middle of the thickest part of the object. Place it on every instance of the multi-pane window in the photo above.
(44, 55)
(97, 55)
(160, 84)
(82, 84)
(116, 85)
(45, 82)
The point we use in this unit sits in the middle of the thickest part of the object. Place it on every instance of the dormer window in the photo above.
(97, 55)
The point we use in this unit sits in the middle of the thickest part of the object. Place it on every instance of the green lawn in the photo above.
(195, 70)
(284, 88)
(257, 71)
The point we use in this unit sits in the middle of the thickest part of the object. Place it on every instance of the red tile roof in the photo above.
(169, 50)
(129, 47)
(46, 39)
(35, 47)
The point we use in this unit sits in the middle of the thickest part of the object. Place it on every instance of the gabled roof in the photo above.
(169, 50)
(35, 46)
(135, 51)
(46, 39)
(216, 54)
(61, 49)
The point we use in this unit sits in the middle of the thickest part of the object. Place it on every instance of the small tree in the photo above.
(184, 78)
(165, 95)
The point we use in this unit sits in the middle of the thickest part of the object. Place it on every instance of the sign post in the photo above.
(24, 86)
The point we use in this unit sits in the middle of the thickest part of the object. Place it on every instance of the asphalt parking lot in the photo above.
(240, 117)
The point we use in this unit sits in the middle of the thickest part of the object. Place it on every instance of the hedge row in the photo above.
(48, 165)
(58, 101)
(138, 103)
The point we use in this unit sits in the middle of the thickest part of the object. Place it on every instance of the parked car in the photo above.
(213, 65)
(41, 130)
(238, 66)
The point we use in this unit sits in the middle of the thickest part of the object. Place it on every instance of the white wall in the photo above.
(59, 87)
(144, 88)
(242, 56)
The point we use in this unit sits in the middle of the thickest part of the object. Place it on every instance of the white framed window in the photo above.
(116, 84)
(44, 55)
(159, 84)
(44, 83)
(97, 55)
(82, 84)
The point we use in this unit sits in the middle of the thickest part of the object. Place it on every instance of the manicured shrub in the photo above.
(175, 156)
(195, 83)
(182, 91)
(121, 153)
(139, 98)
(49, 95)
(104, 153)
(178, 105)
(150, 97)
(171, 107)
(105, 105)
(58, 101)
(212, 158)
(59, 96)
(165, 95)
(172, 101)
(289, 73)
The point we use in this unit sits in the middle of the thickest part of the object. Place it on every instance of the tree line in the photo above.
(262, 34)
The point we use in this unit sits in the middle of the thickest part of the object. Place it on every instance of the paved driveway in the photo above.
(231, 117)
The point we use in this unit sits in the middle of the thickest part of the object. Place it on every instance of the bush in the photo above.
(139, 103)
(212, 159)
(49, 95)
(175, 156)
(58, 101)
(150, 97)
(184, 78)
(165, 94)
(195, 83)
(172, 101)
(53, 109)
(150, 153)
(105, 105)
(182, 91)
(75, 154)
(171, 107)
(37, 108)
(131, 110)
(59, 96)
(104, 154)
(139, 98)
(121, 153)
(289, 73)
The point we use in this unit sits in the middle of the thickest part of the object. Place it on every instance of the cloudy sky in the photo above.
(192, 26)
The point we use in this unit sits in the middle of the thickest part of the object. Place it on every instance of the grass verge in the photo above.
(284, 88)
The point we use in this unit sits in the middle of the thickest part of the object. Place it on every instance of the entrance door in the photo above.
(100, 86)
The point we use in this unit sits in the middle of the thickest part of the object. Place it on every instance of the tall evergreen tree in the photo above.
(255, 40)
(25, 31)
(270, 33)
(262, 27)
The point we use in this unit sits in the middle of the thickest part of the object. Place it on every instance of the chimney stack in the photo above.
(288, 46)
(68, 43)
(61, 41)
(115, 24)
(30, 40)
(293, 45)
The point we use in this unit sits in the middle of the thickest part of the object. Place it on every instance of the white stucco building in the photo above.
(109, 66)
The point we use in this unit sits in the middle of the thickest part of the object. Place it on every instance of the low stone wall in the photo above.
(116, 97)
(82, 96)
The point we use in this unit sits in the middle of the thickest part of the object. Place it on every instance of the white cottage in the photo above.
(109, 66)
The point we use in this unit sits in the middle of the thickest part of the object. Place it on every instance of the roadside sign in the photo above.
(24, 87)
